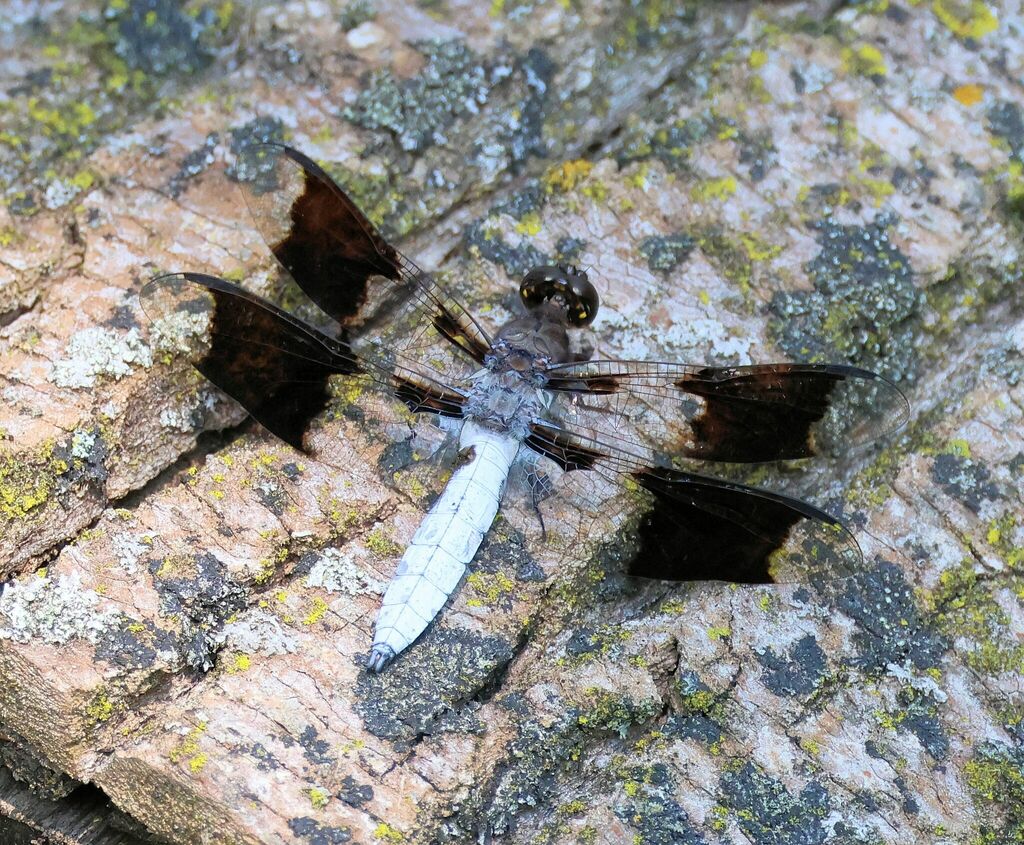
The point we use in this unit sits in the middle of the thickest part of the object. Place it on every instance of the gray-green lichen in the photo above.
(97, 71)
(665, 252)
(863, 304)
(96, 352)
(54, 610)
(769, 814)
(336, 571)
(416, 112)
(424, 691)
(257, 632)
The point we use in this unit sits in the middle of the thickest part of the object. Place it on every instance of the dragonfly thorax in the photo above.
(504, 399)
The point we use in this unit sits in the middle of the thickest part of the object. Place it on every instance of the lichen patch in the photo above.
(96, 352)
(53, 610)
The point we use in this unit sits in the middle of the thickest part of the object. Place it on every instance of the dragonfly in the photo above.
(525, 401)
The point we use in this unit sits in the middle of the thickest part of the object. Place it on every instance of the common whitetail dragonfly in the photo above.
(521, 399)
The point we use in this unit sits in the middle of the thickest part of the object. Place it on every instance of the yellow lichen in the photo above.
(529, 225)
(969, 95)
(101, 708)
(241, 663)
(319, 798)
(386, 833)
(757, 58)
(960, 447)
(966, 18)
(714, 189)
(188, 749)
(864, 60)
(490, 588)
(381, 545)
(317, 613)
(23, 488)
(566, 176)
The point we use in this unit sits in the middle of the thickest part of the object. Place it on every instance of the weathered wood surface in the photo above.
(790, 183)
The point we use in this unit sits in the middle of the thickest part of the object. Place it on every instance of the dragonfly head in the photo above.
(565, 285)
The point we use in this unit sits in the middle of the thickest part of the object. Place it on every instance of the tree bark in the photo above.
(187, 610)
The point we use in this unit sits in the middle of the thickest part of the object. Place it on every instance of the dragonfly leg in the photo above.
(540, 488)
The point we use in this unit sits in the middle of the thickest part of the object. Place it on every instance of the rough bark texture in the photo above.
(185, 613)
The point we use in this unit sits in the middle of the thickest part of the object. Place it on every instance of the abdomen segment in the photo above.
(444, 544)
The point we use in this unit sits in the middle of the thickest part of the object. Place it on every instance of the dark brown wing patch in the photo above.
(419, 397)
(705, 529)
(450, 328)
(331, 249)
(276, 366)
(561, 447)
(760, 413)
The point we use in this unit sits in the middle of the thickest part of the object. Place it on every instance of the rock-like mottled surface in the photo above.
(186, 612)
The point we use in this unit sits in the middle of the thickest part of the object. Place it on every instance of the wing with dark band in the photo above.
(341, 261)
(697, 528)
(274, 364)
(763, 412)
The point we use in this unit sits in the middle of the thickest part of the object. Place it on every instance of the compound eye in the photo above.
(566, 284)
(585, 301)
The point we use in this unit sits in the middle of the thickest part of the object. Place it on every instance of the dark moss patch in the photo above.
(798, 673)
(318, 834)
(355, 13)
(652, 812)
(863, 306)
(920, 717)
(134, 645)
(666, 252)
(83, 460)
(693, 726)
(251, 165)
(891, 628)
(199, 592)
(193, 164)
(157, 37)
(354, 794)
(504, 550)
(272, 496)
(671, 144)
(767, 812)
(265, 761)
(530, 772)
(910, 805)
(965, 479)
(525, 137)
(447, 667)
(529, 199)
(1006, 121)
(567, 250)
(516, 260)
(758, 153)
(396, 455)
(314, 749)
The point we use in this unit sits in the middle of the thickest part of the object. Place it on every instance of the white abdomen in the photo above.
(445, 542)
